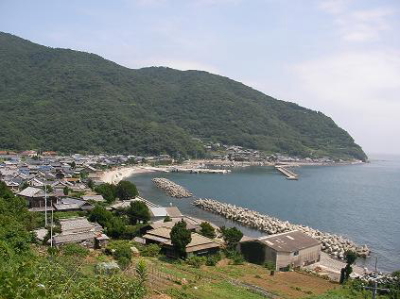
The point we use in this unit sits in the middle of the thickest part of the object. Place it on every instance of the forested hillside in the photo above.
(64, 100)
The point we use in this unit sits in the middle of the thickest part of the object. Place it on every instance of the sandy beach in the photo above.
(114, 176)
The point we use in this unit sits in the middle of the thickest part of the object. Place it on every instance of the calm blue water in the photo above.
(361, 202)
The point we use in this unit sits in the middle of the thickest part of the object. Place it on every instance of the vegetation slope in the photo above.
(64, 100)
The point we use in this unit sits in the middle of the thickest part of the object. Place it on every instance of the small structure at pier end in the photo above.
(287, 250)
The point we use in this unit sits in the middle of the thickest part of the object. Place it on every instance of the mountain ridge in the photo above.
(67, 100)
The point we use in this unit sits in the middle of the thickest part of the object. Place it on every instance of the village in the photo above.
(71, 194)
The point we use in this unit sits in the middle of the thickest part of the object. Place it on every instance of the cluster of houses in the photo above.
(238, 153)
(42, 181)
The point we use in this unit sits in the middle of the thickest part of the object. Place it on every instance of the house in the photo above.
(72, 204)
(28, 154)
(61, 185)
(36, 198)
(80, 230)
(158, 213)
(95, 197)
(290, 249)
(199, 244)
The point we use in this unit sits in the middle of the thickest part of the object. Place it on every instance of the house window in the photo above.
(296, 253)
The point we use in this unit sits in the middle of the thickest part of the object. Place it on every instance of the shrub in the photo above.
(396, 274)
(270, 265)
(196, 261)
(122, 253)
(213, 260)
(74, 250)
(235, 257)
(150, 250)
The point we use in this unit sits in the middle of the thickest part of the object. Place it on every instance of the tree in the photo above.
(180, 238)
(115, 227)
(24, 186)
(73, 165)
(207, 230)
(167, 219)
(123, 253)
(100, 215)
(109, 191)
(5, 192)
(231, 236)
(90, 184)
(126, 190)
(350, 258)
(49, 188)
(66, 190)
(138, 212)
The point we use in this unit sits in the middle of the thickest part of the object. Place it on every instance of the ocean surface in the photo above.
(361, 202)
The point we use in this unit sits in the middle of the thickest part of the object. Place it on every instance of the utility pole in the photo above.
(45, 206)
(375, 288)
(51, 227)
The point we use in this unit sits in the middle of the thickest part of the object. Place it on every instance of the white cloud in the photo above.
(365, 25)
(360, 90)
(359, 25)
(334, 6)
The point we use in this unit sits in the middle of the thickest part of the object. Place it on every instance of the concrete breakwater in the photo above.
(332, 244)
(290, 175)
(171, 188)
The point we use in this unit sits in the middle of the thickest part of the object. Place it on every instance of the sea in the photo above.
(361, 202)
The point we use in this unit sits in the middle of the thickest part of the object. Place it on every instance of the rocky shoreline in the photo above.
(334, 245)
(171, 188)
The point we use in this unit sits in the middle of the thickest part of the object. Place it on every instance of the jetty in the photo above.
(290, 175)
(332, 244)
(201, 170)
(171, 188)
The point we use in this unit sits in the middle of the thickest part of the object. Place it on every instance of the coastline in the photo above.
(115, 175)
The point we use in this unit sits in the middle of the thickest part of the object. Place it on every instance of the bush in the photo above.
(122, 253)
(270, 265)
(74, 250)
(396, 274)
(150, 250)
(235, 257)
(213, 260)
(196, 261)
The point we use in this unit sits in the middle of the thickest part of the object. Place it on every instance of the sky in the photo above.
(340, 57)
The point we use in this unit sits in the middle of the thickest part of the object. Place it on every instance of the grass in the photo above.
(221, 290)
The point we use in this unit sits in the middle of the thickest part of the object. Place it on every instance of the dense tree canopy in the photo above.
(102, 106)
(138, 212)
(207, 230)
(126, 190)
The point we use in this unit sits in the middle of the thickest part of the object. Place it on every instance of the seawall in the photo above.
(332, 244)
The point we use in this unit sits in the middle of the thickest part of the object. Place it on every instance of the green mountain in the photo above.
(64, 100)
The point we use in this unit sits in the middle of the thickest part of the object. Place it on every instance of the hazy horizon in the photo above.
(340, 57)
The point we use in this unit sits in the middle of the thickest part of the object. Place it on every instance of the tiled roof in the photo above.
(79, 223)
(70, 238)
(31, 192)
